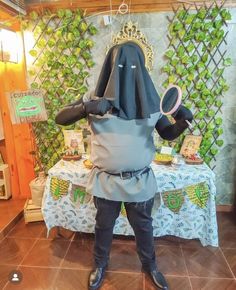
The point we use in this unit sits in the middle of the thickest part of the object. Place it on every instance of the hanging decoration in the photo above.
(173, 199)
(123, 210)
(198, 194)
(79, 194)
(58, 187)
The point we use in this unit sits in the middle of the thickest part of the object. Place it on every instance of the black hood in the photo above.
(125, 81)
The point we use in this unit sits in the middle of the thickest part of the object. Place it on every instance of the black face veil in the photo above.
(125, 81)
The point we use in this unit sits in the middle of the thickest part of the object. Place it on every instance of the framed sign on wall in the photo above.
(27, 107)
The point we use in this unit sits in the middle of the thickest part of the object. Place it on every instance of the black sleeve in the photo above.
(78, 102)
(170, 131)
(71, 113)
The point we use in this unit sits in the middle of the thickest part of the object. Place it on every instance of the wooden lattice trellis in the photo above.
(61, 64)
(196, 63)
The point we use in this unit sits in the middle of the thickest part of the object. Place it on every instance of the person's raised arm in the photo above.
(170, 131)
(80, 109)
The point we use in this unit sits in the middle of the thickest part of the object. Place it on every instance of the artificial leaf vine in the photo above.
(62, 60)
(196, 62)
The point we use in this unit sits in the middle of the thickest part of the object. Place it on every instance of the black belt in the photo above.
(130, 174)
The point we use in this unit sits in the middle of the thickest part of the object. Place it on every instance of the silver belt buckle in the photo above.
(130, 174)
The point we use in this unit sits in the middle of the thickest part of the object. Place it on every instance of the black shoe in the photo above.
(158, 279)
(96, 278)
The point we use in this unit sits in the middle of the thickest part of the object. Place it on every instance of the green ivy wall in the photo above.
(197, 61)
(61, 63)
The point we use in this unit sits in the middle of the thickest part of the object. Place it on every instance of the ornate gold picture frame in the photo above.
(130, 32)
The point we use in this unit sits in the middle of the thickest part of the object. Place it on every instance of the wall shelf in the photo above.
(5, 189)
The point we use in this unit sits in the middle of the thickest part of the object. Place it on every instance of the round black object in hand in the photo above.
(171, 100)
(183, 113)
(97, 107)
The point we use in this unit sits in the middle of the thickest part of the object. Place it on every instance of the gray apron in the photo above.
(119, 145)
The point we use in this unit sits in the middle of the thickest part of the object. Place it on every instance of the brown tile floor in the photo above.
(9, 210)
(63, 262)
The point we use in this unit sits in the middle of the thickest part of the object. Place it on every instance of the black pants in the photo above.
(139, 216)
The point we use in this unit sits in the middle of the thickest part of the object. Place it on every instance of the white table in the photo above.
(190, 222)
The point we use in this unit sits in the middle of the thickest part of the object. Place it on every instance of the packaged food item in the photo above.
(163, 158)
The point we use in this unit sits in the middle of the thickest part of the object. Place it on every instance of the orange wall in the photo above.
(18, 139)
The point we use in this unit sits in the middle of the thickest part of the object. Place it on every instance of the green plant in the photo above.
(62, 60)
(191, 65)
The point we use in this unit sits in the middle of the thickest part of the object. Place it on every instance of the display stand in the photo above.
(5, 189)
(32, 213)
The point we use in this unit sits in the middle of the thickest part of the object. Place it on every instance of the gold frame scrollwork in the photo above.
(130, 32)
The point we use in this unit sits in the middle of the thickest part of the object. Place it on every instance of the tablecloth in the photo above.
(191, 221)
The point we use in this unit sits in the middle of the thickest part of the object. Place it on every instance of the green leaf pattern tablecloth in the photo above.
(190, 221)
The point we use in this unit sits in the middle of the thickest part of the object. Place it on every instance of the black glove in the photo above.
(183, 114)
(71, 113)
(97, 107)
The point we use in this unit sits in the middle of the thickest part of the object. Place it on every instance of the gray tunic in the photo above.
(122, 145)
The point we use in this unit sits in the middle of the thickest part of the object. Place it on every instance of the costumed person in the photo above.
(123, 112)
